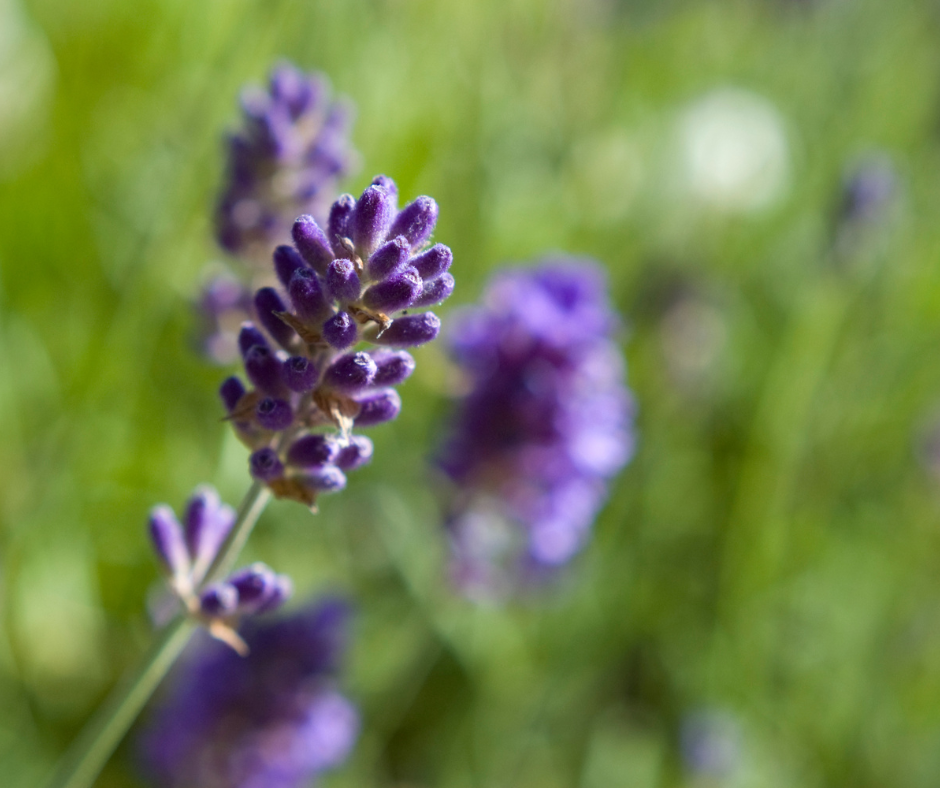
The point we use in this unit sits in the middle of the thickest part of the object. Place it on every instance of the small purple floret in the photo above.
(265, 465)
(342, 281)
(312, 450)
(350, 373)
(416, 221)
(378, 407)
(340, 331)
(300, 374)
(392, 367)
(410, 330)
(231, 391)
(356, 454)
(274, 414)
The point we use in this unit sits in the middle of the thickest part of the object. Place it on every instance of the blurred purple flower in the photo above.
(273, 719)
(547, 421)
(710, 743)
(288, 158)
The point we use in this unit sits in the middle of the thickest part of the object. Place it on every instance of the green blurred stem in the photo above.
(93, 747)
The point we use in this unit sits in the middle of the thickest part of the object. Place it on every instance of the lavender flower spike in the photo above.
(345, 284)
(547, 422)
(230, 722)
(287, 160)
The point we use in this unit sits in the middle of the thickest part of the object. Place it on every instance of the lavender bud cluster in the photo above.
(288, 158)
(548, 420)
(186, 552)
(340, 286)
(272, 720)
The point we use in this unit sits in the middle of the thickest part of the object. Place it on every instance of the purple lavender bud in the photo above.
(433, 262)
(265, 465)
(265, 370)
(312, 243)
(300, 374)
(312, 450)
(248, 337)
(356, 454)
(410, 330)
(231, 391)
(274, 414)
(208, 522)
(267, 304)
(396, 292)
(435, 291)
(371, 219)
(392, 367)
(282, 590)
(324, 478)
(254, 585)
(166, 533)
(286, 262)
(306, 294)
(416, 221)
(292, 88)
(384, 182)
(340, 331)
(378, 407)
(388, 258)
(350, 373)
(340, 224)
(218, 600)
(342, 281)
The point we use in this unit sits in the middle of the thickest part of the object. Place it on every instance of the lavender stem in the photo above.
(93, 747)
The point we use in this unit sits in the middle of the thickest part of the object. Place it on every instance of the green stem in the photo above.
(91, 750)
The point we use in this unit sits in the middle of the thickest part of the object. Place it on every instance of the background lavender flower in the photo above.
(289, 156)
(547, 421)
(287, 159)
(273, 719)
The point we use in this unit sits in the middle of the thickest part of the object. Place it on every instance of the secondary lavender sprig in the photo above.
(308, 387)
(547, 421)
(274, 719)
(186, 552)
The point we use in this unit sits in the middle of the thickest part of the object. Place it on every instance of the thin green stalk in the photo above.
(91, 750)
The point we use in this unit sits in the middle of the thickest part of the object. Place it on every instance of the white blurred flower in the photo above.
(27, 75)
(733, 150)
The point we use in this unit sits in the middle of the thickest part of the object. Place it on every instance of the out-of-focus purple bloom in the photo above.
(287, 160)
(223, 305)
(868, 188)
(547, 421)
(710, 743)
(868, 201)
(273, 719)
(342, 286)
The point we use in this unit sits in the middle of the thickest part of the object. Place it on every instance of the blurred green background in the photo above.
(768, 567)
